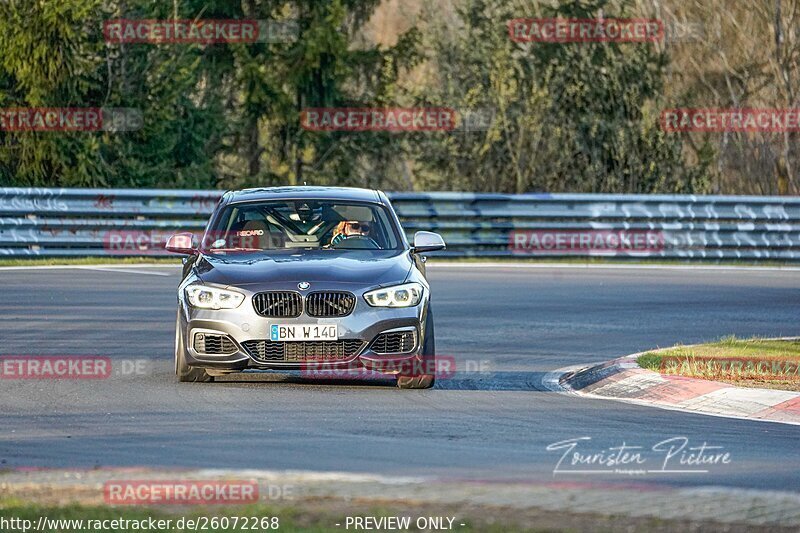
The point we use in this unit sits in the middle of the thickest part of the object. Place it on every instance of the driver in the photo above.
(350, 228)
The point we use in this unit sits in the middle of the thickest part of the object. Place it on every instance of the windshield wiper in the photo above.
(236, 249)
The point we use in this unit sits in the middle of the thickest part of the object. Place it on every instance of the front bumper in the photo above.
(243, 324)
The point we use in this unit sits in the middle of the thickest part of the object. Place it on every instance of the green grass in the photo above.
(322, 515)
(705, 361)
(650, 360)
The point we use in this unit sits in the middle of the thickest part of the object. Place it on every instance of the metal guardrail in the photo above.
(99, 222)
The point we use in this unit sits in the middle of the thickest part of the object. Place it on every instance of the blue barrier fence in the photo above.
(99, 222)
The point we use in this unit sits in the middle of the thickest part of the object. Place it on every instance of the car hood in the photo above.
(363, 267)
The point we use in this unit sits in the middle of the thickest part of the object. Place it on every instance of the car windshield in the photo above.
(301, 224)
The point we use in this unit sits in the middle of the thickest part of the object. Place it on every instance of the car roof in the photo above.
(304, 193)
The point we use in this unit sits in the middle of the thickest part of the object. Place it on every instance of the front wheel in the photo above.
(427, 378)
(186, 373)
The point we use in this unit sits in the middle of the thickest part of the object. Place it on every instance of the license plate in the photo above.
(288, 333)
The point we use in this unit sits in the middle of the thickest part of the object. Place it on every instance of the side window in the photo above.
(385, 228)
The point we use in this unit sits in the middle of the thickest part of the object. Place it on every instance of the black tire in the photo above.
(186, 373)
(423, 381)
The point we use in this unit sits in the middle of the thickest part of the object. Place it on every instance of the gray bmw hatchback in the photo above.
(317, 279)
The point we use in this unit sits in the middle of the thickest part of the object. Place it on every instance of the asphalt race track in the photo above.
(520, 323)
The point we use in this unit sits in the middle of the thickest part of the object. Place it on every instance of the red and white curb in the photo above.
(623, 379)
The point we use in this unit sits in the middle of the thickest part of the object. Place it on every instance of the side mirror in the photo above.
(427, 241)
(181, 243)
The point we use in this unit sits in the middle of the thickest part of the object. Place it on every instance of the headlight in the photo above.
(212, 298)
(406, 295)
